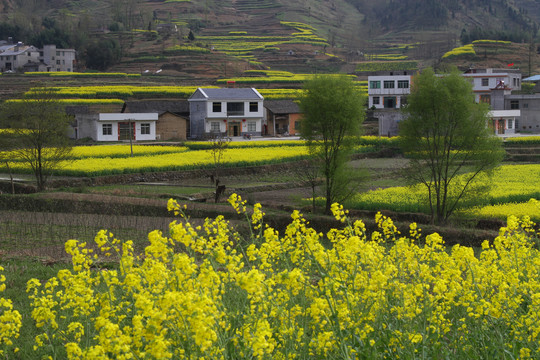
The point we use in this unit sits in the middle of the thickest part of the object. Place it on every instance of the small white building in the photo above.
(504, 122)
(388, 91)
(122, 126)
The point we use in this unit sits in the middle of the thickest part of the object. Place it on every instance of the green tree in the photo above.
(333, 112)
(40, 129)
(103, 53)
(446, 138)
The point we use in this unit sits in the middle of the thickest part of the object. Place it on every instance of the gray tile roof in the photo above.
(282, 106)
(159, 106)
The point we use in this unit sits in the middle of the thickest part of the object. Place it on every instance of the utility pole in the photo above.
(131, 136)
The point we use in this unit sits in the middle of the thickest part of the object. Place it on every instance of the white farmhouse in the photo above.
(123, 126)
(388, 91)
(230, 111)
(14, 57)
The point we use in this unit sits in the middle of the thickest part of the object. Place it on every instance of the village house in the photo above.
(388, 91)
(483, 80)
(282, 117)
(26, 58)
(173, 116)
(57, 59)
(13, 57)
(225, 111)
(114, 126)
(387, 94)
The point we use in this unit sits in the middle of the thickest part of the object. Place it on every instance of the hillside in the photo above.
(229, 37)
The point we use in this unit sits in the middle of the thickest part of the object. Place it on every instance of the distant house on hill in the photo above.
(13, 57)
(20, 57)
(57, 59)
(173, 116)
(483, 80)
(225, 111)
(166, 29)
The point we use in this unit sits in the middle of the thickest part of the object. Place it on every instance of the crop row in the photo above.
(121, 91)
(466, 50)
(172, 162)
(91, 161)
(386, 65)
(78, 74)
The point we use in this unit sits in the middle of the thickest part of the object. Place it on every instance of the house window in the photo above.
(514, 104)
(57, 62)
(297, 125)
(485, 99)
(216, 107)
(376, 100)
(145, 129)
(106, 129)
(235, 108)
(485, 82)
(403, 84)
(510, 123)
(253, 106)
(389, 84)
(374, 84)
(215, 127)
(251, 126)
(525, 105)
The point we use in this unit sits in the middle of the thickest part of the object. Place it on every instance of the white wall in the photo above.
(223, 113)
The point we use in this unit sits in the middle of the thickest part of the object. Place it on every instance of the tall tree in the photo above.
(446, 138)
(333, 112)
(40, 127)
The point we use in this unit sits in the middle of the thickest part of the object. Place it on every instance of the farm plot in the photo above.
(510, 184)
(92, 161)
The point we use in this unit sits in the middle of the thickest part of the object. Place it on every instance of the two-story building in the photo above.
(20, 57)
(387, 94)
(483, 80)
(14, 57)
(225, 111)
(57, 59)
(388, 91)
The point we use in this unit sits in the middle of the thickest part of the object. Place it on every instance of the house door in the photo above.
(500, 126)
(389, 102)
(125, 131)
(234, 129)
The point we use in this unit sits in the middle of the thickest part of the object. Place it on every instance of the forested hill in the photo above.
(349, 25)
(521, 15)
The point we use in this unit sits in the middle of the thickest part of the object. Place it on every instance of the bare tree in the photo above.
(309, 173)
(40, 129)
(219, 145)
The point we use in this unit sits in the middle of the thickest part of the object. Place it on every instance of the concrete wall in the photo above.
(388, 121)
(197, 115)
(529, 105)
